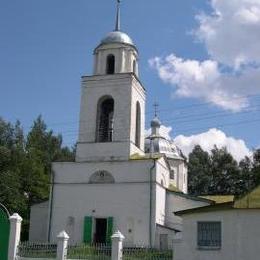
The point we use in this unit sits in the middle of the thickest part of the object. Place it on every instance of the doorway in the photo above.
(163, 241)
(101, 230)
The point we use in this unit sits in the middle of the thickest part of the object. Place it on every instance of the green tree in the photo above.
(198, 171)
(25, 165)
(224, 172)
(212, 173)
(11, 156)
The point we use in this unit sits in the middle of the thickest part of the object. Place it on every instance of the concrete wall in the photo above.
(240, 236)
(39, 222)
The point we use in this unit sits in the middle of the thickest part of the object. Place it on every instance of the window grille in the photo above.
(209, 234)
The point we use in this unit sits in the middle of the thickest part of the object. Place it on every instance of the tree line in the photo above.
(218, 173)
(25, 168)
(25, 165)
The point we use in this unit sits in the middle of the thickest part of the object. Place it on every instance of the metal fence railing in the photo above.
(37, 250)
(90, 252)
(135, 253)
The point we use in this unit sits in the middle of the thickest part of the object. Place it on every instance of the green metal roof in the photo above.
(220, 198)
(249, 201)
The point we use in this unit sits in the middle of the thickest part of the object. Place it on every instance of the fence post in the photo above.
(62, 246)
(14, 237)
(117, 245)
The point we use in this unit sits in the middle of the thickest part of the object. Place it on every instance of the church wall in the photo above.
(162, 180)
(122, 171)
(93, 88)
(164, 244)
(138, 94)
(126, 200)
(124, 58)
(39, 222)
(118, 86)
(128, 204)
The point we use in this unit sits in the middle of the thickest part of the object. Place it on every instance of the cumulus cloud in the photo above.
(207, 140)
(204, 80)
(231, 32)
(231, 35)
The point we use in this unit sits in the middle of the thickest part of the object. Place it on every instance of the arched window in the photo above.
(134, 66)
(101, 177)
(110, 64)
(138, 125)
(105, 120)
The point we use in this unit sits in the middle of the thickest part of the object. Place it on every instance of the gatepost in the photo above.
(117, 246)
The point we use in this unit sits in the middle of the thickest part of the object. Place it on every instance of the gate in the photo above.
(4, 232)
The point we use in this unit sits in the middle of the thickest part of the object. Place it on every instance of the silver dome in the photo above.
(158, 144)
(155, 122)
(117, 37)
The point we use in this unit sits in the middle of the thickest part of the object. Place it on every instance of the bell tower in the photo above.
(112, 112)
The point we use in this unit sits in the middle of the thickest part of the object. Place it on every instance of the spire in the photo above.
(156, 105)
(117, 28)
(155, 123)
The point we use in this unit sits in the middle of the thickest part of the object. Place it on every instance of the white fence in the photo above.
(62, 243)
(62, 251)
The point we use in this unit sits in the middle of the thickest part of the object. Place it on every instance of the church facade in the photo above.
(121, 179)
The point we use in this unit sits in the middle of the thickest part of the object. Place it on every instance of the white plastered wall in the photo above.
(127, 200)
(240, 236)
(125, 89)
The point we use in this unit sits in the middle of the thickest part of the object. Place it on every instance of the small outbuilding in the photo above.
(226, 230)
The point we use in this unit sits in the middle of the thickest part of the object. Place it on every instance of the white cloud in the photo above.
(231, 35)
(231, 32)
(212, 137)
(204, 80)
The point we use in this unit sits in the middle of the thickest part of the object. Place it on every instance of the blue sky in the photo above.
(46, 46)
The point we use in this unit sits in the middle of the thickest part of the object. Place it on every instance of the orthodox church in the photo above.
(121, 179)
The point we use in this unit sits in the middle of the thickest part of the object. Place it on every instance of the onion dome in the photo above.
(117, 37)
(156, 143)
(156, 123)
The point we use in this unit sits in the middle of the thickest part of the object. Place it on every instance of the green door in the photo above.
(4, 233)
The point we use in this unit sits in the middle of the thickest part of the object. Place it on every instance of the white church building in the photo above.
(121, 179)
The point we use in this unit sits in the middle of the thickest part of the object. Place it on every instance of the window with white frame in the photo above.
(209, 235)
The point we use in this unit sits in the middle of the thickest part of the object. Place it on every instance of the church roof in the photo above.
(248, 201)
(220, 198)
(117, 37)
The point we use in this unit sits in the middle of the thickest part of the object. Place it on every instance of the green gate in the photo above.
(4, 232)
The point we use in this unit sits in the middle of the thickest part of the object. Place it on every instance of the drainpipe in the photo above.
(151, 202)
(51, 205)
(151, 191)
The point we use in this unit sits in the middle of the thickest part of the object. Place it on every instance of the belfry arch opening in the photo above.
(110, 69)
(105, 120)
(138, 125)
